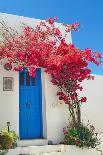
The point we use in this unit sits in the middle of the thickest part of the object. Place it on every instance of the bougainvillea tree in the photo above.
(44, 46)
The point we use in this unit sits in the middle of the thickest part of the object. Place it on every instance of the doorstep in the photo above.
(39, 150)
(32, 142)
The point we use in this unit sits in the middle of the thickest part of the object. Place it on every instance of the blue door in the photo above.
(30, 105)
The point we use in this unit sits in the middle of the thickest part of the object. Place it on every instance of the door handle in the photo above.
(28, 105)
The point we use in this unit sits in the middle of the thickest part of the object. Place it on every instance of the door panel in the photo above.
(30, 117)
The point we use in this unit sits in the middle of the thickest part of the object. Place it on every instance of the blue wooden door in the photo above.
(30, 105)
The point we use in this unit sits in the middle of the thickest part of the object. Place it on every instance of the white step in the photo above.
(33, 142)
(38, 150)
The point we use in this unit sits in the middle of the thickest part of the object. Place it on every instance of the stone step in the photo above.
(37, 150)
(33, 142)
(52, 150)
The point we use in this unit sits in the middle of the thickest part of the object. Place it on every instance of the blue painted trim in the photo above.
(19, 104)
(40, 90)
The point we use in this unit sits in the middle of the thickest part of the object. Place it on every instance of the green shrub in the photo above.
(7, 139)
(82, 136)
(3, 152)
(5, 142)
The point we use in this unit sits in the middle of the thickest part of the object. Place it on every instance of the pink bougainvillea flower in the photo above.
(44, 46)
(78, 142)
(83, 99)
(57, 31)
(51, 21)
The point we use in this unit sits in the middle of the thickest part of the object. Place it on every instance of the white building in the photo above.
(31, 105)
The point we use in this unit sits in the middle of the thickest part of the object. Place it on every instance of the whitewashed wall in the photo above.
(9, 101)
(58, 116)
(55, 115)
(93, 109)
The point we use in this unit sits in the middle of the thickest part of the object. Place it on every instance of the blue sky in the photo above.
(89, 13)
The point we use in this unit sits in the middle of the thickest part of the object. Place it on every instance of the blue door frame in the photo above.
(30, 105)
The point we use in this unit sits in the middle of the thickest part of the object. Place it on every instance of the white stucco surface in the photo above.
(92, 110)
(9, 101)
(55, 115)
